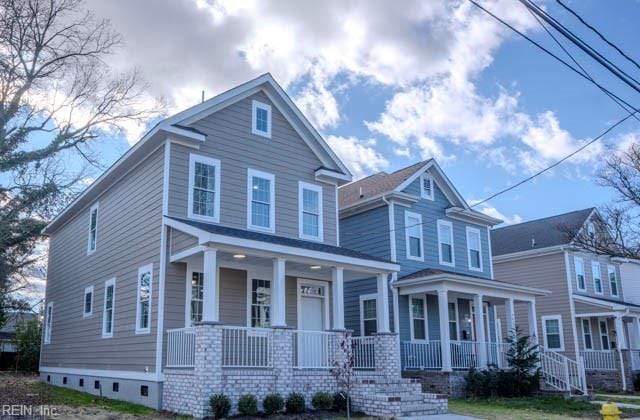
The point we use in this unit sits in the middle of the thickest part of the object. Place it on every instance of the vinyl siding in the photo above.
(431, 212)
(604, 261)
(129, 229)
(630, 274)
(352, 291)
(367, 232)
(180, 241)
(285, 155)
(545, 272)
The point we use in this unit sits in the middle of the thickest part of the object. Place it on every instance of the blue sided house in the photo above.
(417, 218)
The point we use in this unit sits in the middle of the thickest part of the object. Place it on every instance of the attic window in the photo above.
(426, 186)
(591, 230)
(261, 119)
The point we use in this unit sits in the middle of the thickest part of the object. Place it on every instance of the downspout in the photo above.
(622, 374)
(394, 276)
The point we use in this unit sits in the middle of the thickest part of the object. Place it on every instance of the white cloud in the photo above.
(360, 156)
(491, 211)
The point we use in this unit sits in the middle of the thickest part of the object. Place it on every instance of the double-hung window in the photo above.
(368, 315)
(413, 236)
(613, 280)
(48, 323)
(453, 321)
(204, 188)
(109, 308)
(426, 186)
(260, 303)
(604, 334)
(260, 201)
(474, 249)
(445, 243)
(418, 319)
(197, 296)
(261, 119)
(143, 311)
(586, 333)
(310, 211)
(597, 277)
(87, 303)
(580, 281)
(92, 242)
(552, 329)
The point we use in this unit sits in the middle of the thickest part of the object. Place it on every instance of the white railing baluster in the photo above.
(181, 347)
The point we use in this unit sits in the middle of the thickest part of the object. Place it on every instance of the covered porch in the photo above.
(442, 331)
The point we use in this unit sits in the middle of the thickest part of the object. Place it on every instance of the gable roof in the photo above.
(177, 126)
(539, 233)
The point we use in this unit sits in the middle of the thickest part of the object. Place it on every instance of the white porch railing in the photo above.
(635, 359)
(497, 354)
(562, 373)
(181, 347)
(364, 352)
(314, 349)
(599, 359)
(245, 347)
(421, 354)
(464, 354)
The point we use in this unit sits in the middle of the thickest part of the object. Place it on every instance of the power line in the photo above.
(597, 32)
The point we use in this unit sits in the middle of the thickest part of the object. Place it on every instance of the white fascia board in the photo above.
(597, 302)
(327, 175)
(529, 253)
(463, 280)
(467, 215)
(378, 200)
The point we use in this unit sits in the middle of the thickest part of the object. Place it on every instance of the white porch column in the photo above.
(443, 311)
(533, 320)
(480, 332)
(635, 334)
(210, 298)
(510, 315)
(337, 285)
(620, 335)
(278, 293)
(382, 304)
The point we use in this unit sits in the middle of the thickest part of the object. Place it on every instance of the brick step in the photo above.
(402, 389)
(400, 397)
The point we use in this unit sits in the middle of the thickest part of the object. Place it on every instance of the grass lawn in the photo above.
(545, 407)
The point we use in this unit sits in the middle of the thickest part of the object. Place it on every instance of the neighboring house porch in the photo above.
(264, 314)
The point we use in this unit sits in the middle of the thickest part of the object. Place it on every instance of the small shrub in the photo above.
(340, 401)
(272, 403)
(248, 405)
(220, 406)
(322, 401)
(295, 403)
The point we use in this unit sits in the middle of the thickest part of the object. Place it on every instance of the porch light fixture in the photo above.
(239, 256)
(315, 267)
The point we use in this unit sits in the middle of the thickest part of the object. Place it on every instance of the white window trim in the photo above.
(371, 296)
(474, 230)
(87, 290)
(560, 330)
(407, 215)
(426, 323)
(431, 181)
(612, 269)
(251, 173)
(591, 230)
(595, 267)
(254, 113)
(584, 335)
(96, 208)
(317, 188)
(575, 268)
(141, 270)
(600, 335)
(300, 281)
(48, 323)
(456, 319)
(193, 158)
(453, 252)
(110, 282)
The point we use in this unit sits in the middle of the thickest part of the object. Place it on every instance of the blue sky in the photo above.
(389, 85)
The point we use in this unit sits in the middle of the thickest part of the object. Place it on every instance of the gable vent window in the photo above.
(426, 186)
(261, 119)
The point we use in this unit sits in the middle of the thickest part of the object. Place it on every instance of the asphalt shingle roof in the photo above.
(621, 302)
(376, 184)
(536, 234)
(278, 240)
(434, 271)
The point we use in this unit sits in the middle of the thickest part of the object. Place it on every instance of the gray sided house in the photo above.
(417, 218)
(587, 316)
(207, 260)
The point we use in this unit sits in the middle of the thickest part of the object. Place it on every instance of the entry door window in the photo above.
(604, 335)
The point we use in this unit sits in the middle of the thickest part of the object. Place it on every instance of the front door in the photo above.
(313, 341)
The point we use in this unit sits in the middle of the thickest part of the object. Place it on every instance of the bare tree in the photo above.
(57, 94)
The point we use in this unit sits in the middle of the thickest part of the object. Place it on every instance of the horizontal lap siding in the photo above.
(129, 225)
(284, 155)
(352, 292)
(367, 232)
(181, 241)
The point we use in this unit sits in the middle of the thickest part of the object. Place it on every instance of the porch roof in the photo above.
(282, 241)
(606, 302)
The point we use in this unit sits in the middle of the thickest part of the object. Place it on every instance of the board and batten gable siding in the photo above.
(432, 211)
(285, 155)
(546, 272)
(129, 230)
(604, 261)
(367, 232)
